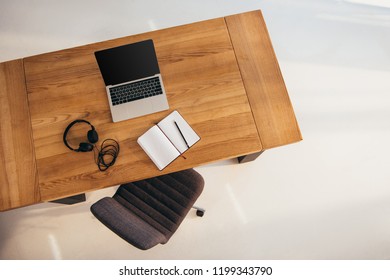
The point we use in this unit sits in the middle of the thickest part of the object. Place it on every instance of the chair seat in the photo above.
(126, 224)
(148, 212)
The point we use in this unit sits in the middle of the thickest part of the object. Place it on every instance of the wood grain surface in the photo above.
(202, 81)
(222, 75)
(267, 93)
(18, 173)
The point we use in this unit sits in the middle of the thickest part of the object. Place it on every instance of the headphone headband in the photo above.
(69, 127)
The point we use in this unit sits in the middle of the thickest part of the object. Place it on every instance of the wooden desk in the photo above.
(221, 74)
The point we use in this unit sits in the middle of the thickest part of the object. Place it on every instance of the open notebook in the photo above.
(168, 139)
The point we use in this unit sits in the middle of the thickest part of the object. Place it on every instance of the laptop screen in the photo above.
(128, 62)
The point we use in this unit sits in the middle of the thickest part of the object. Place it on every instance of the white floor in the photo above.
(327, 197)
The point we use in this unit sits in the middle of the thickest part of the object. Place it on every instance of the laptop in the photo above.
(133, 81)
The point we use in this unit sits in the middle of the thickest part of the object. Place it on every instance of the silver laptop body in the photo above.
(133, 81)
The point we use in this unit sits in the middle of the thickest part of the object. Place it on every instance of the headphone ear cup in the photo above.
(85, 147)
(92, 136)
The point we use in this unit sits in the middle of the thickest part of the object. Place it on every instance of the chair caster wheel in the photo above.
(199, 213)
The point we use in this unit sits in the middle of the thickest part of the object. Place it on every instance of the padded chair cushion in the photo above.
(127, 225)
(156, 207)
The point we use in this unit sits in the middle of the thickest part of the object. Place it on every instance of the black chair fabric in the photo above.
(148, 212)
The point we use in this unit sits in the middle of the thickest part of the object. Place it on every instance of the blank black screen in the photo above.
(128, 62)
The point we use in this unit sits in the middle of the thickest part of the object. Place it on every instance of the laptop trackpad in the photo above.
(138, 108)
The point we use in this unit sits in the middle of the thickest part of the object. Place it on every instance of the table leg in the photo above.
(250, 157)
(71, 199)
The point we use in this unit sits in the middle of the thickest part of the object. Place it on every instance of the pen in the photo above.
(178, 128)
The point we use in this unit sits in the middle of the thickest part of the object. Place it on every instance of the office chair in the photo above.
(148, 212)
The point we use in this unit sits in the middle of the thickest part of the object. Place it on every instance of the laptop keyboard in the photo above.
(134, 91)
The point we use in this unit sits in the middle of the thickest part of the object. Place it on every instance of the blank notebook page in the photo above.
(158, 147)
(171, 131)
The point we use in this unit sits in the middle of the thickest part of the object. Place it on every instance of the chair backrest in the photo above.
(148, 212)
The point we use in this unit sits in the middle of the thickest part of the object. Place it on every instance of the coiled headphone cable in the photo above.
(107, 155)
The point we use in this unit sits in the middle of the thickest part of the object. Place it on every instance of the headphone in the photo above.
(92, 137)
(108, 152)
